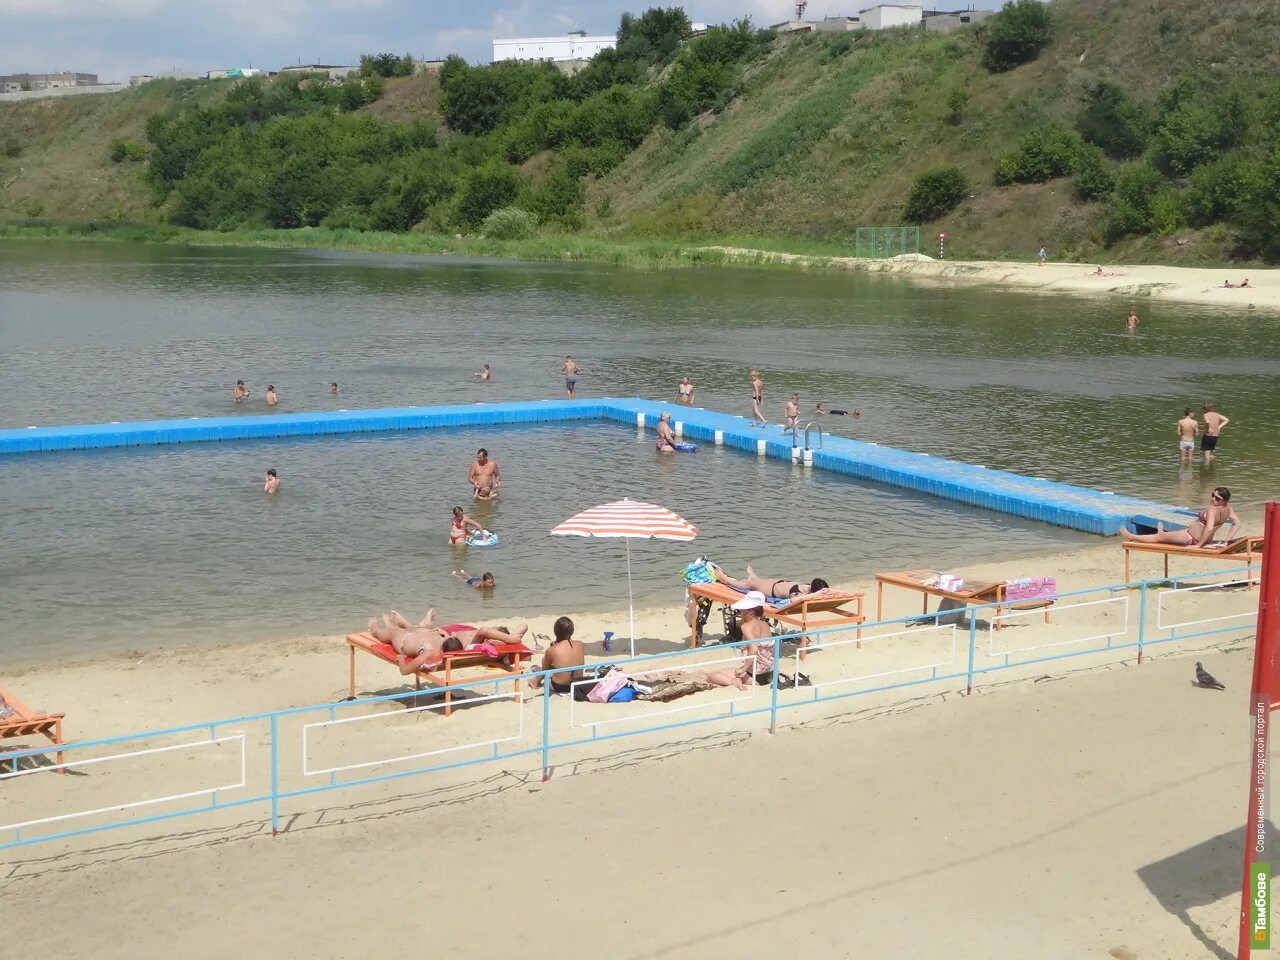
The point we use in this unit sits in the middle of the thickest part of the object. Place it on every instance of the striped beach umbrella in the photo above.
(630, 520)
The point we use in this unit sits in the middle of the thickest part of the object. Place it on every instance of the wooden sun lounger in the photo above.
(804, 612)
(447, 670)
(1240, 549)
(23, 722)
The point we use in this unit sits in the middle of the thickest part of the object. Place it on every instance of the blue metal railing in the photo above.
(282, 781)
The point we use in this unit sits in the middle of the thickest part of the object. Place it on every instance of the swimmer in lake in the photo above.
(483, 582)
(484, 373)
(666, 438)
(1188, 430)
(333, 389)
(272, 399)
(1131, 322)
(818, 409)
(239, 393)
(684, 392)
(459, 526)
(272, 483)
(484, 476)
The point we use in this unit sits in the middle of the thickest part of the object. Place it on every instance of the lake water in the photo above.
(109, 547)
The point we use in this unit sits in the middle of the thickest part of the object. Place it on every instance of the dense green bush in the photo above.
(131, 150)
(1132, 199)
(510, 223)
(1196, 122)
(12, 147)
(935, 194)
(1257, 216)
(1016, 35)
(1218, 190)
(386, 65)
(653, 37)
(1043, 154)
(1091, 175)
(706, 68)
(1113, 120)
(484, 190)
(957, 101)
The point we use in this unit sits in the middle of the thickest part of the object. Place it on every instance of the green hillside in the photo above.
(1143, 129)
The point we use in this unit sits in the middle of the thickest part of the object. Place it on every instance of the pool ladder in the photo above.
(804, 454)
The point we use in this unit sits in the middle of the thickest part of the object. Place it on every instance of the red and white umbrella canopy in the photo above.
(627, 518)
(630, 520)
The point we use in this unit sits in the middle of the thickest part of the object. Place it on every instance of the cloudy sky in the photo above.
(117, 38)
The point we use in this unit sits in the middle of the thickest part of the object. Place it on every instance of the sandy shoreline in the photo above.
(1133, 282)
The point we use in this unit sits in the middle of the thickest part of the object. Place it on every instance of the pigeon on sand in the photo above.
(1205, 679)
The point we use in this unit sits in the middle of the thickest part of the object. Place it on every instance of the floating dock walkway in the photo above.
(1060, 504)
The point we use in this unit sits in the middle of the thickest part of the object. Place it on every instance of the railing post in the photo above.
(1142, 618)
(546, 728)
(973, 645)
(773, 684)
(275, 774)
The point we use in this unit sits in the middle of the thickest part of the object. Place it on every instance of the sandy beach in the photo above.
(1065, 809)
(1135, 282)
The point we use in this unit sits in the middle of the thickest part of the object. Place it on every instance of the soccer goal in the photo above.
(880, 243)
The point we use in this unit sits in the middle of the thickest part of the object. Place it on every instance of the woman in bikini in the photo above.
(769, 586)
(460, 525)
(1200, 531)
(684, 392)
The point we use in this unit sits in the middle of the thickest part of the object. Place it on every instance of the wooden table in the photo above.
(973, 591)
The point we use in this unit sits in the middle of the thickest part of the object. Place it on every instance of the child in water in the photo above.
(272, 483)
(459, 527)
(482, 582)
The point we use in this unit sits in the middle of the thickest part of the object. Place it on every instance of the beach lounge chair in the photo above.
(449, 668)
(1238, 549)
(805, 612)
(25, 722)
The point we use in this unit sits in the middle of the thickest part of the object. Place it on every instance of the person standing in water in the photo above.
(570, 369)
(459, 526)
(272, 399)
(1042, 256)
(239, 393)
(1131, 322)
(1188, 430)
(757, 398)
(666, 438)
(1213, 424)
(333, 389)
(484, 373)
(272, 483)
(684, 392)
(484, 476)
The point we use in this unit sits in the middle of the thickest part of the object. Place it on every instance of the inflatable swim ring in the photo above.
(684, 446)
(486, 538)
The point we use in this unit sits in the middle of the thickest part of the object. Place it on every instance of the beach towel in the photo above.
(603, 691)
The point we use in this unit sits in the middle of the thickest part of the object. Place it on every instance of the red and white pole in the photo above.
(942, 246)
(1255, 888)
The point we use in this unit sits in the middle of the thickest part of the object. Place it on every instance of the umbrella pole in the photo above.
(631, 603)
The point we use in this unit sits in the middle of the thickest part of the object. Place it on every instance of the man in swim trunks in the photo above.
(757, 398)
(666, 437)
(1131, 322)
(1213, 424)
(684, 392)
(484, 476)
(1188, 430)
(818, 409)
(566, 655)
(791, 413)
(570, 369)
(272, 399)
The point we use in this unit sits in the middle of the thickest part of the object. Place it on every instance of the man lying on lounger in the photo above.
(770, 587)
(417, 644)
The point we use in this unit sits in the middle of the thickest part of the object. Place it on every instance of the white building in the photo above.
(886, 16)
(573, 46)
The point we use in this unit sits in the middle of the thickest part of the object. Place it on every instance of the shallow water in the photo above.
(105, 547)
(129, 545)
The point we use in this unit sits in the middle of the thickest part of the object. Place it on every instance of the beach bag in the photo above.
(698, 572)
(603, 691)
(623, 694)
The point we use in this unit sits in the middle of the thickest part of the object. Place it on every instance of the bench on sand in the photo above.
(22, 721)
(1240, 549)
(449, 668)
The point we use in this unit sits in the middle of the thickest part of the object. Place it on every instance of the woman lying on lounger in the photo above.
(771, 587)
(420, 643)
(1200, 531)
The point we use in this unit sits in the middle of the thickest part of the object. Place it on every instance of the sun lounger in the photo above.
(24, 722)
(805, 612)
(928, 583)
(447, 669)
(1238, 549)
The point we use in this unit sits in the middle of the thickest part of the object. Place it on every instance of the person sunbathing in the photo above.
(470, 636)
(1200, 531)
(568, 656)
(771, 587)
(417, 644)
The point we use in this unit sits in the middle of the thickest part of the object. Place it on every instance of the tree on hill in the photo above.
(653, 37)
(1113, 120)
(1016, 35)
(385, 65)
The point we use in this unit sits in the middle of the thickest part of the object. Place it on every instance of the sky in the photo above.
(118, 38)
